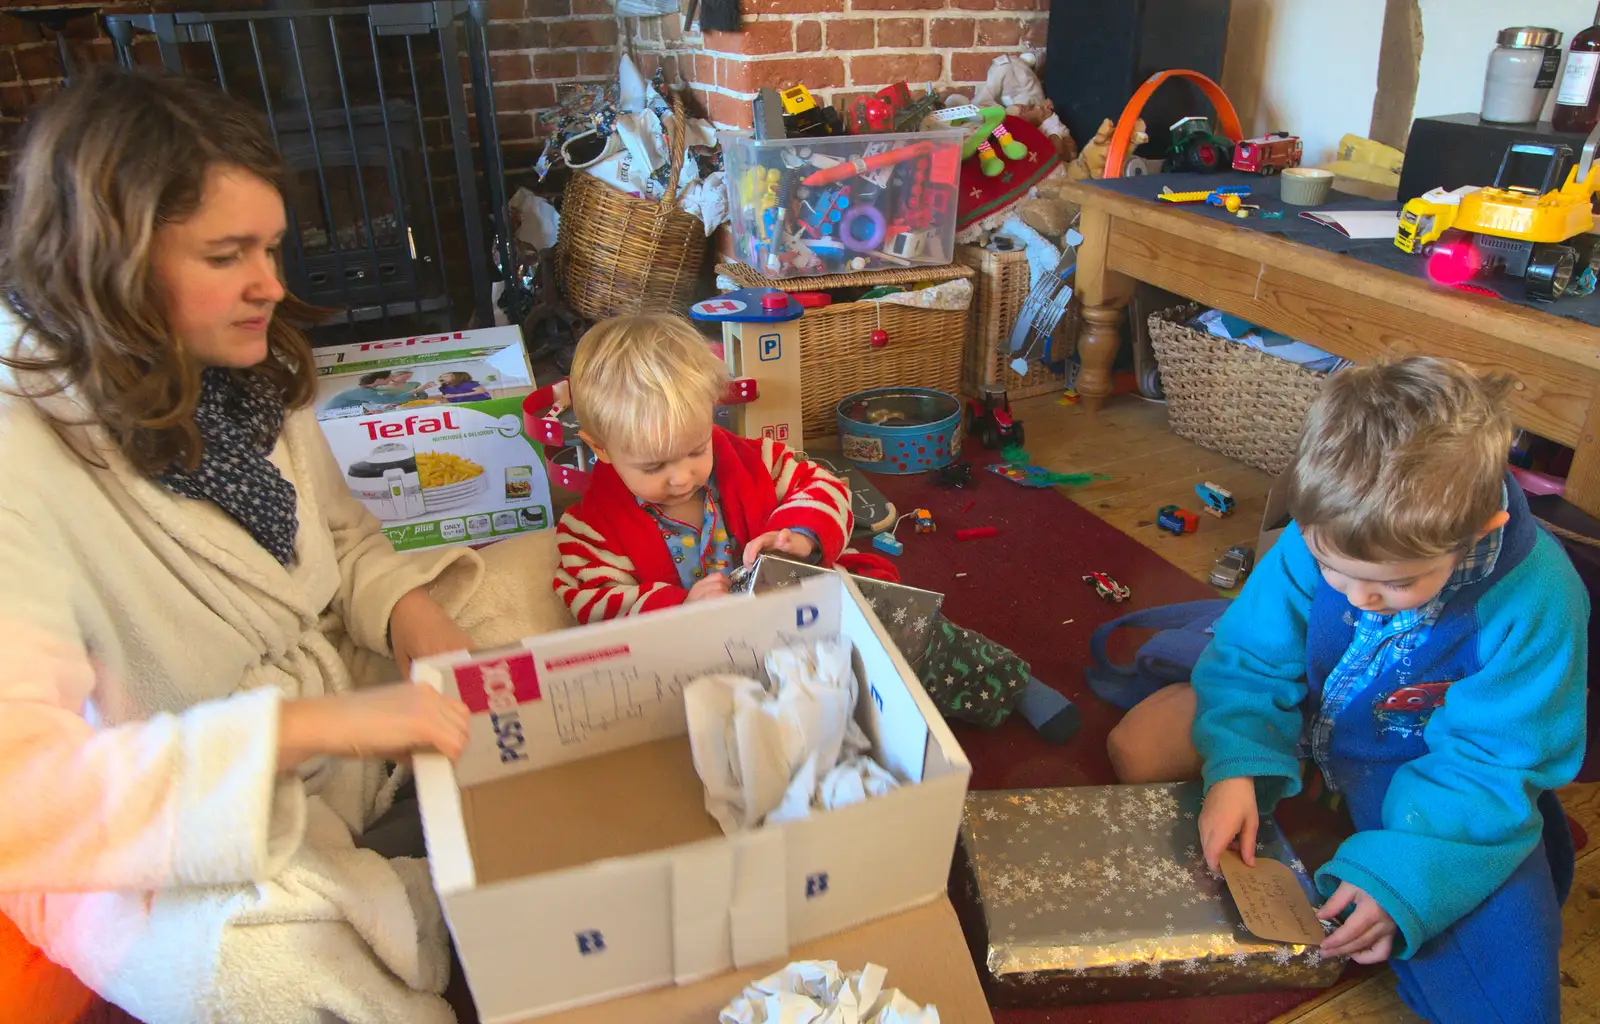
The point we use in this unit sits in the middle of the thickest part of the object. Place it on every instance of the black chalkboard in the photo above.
(873, 512)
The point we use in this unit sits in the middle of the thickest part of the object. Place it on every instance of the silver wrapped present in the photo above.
(907, 613)
(1100, 893)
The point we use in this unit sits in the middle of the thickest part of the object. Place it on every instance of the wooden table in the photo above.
(1337, 303)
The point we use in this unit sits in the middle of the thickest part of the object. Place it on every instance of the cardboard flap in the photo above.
(758, 919)
(702, 943)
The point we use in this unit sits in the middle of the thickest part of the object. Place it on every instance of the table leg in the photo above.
(1583, 479)
(1105, 295)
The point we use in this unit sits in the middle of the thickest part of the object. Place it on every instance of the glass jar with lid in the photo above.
(1522, 69)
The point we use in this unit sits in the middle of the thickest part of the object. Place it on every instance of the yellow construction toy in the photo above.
(1522, 226)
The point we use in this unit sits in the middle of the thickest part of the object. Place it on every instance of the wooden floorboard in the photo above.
(1149, 467)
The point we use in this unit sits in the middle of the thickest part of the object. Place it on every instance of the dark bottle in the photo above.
(1578, 98)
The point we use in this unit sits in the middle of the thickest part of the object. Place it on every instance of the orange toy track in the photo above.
(1228, 118)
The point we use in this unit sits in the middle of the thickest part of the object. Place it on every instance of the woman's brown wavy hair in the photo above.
(103, 165)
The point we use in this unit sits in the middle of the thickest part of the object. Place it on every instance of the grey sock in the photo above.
(1054, 716)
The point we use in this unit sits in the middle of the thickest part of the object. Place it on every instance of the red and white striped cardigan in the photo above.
(614, 561)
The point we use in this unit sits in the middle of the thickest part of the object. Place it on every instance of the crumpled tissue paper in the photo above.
(769, 753)
(817, 992)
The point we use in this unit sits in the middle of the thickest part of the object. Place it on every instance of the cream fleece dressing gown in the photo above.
(147, 841)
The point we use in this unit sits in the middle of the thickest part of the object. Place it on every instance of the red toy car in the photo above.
(1269, 154)
(989, 419)
(1416, 697)
(1108, 588)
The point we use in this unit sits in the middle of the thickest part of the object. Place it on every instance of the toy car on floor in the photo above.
(1234, 565)
(1177, 521)
(989, 419)
(922, 521)
(1218, 500)
(1108, 588)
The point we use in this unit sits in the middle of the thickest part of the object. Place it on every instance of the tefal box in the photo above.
(428, 431)
(570, 845)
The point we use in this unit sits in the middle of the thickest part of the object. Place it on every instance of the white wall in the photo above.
(1311, 67)
(1453, 31)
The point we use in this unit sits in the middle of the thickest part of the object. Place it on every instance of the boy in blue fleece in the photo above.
(1424, 641)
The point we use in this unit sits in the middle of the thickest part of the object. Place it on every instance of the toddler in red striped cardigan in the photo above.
(675, 502)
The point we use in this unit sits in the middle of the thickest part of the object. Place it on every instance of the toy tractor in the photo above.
(989, 419)
(1195, 147)
(1524, 226)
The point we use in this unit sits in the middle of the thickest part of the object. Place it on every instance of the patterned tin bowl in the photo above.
(900, 430)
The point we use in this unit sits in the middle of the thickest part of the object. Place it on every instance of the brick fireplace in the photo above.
(837, 48)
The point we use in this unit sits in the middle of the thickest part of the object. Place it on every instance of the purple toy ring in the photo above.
(857, 243)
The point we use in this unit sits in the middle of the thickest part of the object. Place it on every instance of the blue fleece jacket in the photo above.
(1441, 787)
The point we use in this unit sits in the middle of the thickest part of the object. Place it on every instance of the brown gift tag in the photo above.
(1270, 900)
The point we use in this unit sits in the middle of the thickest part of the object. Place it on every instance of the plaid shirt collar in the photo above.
(1379, 639)
(1478, 564)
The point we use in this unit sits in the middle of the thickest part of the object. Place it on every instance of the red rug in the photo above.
(1023, 588)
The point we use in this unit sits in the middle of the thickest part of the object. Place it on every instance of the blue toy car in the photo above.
(1177, 521)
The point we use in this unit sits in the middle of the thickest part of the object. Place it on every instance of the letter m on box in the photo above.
(498, 685)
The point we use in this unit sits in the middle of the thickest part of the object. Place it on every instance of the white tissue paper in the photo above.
(817, 992)
(770, 753)
(540, 222)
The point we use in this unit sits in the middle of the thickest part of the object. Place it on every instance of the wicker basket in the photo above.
(1004, 281)
(836, 357)
(1230, 397)
(618, 253)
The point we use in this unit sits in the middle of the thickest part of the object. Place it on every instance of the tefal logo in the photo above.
(421, 339)
(411, 425)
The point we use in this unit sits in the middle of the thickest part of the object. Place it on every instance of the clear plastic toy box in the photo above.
(842, 204)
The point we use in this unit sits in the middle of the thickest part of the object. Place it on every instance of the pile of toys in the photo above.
(1230, 570)
(813, 190)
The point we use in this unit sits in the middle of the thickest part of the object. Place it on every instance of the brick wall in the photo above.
(30, 62)
(538, 50)
(841, 48)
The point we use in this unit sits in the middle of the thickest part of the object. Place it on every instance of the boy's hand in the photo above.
(715, 585)
(1367, 935)
(1230, 813)
(784, 541)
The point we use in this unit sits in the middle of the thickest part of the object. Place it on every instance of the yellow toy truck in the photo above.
(1427, 217)
(1523, 226)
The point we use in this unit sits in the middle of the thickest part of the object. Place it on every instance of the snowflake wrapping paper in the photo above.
(908, 614)
(1100, 894)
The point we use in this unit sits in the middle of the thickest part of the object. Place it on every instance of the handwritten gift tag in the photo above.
(1270, 900)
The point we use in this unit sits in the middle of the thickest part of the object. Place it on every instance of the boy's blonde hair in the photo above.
(1402, 460)
(639, 383)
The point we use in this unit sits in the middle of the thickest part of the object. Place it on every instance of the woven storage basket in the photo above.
(836, 355)
(619, 253)
(1004, 281)
(1230, 397)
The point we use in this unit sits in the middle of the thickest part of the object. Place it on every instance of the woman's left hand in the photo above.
(419, 628)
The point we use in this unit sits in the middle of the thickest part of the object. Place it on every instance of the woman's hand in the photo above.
(419, 628)
(1367, 935)
(1230, 813)
(715, 585)
(389, 722)
(786, 542)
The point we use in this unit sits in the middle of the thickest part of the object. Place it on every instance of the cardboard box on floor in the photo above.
(1275, 519)
(923, 950)
(570, 845)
